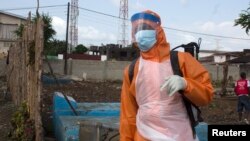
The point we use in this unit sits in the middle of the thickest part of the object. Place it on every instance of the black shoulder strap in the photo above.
(177, 71)
(131, 69)
(175, 63)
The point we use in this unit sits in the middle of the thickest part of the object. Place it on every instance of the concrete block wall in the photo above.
(94, 70)
(246, 69)
(216, 72)
(113, 70)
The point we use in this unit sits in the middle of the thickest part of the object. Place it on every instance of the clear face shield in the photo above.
(144, 22)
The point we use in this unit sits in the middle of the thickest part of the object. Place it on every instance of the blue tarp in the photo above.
(47, 80)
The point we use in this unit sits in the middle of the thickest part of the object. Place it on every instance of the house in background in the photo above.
(8, 24)
(114, 52)
(206, 53)
(243, 62)
(217, 57)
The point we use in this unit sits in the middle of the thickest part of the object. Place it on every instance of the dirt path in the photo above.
(220, 111)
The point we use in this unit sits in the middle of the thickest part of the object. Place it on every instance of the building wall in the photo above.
(219, 58)
(216, 71)
(246, 69)
(94, 70)
(205, 54)
(8, 24)
(113, 70)
(7, 36)
(7, 32)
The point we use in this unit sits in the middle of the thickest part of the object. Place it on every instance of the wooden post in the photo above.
(25, 70)
(224, 80)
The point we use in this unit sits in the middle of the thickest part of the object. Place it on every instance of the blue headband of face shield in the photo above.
(145, 16)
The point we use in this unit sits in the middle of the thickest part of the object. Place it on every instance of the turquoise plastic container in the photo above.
(67, 124)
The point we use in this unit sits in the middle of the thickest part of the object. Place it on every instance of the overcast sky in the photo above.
(179, 17)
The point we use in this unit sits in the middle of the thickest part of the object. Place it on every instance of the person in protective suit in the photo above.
(148, 110)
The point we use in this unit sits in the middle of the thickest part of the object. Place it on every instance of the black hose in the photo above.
(72, 108)
(58, 84)
(114, 136)
(193, 45)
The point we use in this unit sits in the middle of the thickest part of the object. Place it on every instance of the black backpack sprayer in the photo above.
(193, 48)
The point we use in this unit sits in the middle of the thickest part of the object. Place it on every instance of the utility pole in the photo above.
(66, 50)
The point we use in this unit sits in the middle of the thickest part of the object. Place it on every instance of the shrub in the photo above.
(23, 128)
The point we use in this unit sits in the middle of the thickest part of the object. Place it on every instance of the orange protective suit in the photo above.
(136, 108)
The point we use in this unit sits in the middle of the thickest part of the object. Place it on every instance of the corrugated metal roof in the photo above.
(207, 59)
(212, 51)
(13, 15)
(235, 53)
(243, 59)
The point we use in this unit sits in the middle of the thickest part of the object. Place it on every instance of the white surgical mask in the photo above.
(145, 39)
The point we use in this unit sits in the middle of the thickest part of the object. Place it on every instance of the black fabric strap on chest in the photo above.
(175, 63)
(177, 71)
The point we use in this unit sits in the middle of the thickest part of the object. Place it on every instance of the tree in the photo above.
(244, 20)
(80, 49)
(56, 47)
(19, 30)
(48, 34)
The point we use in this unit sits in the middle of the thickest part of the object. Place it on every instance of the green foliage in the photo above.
(19, 31)
(80, 49)
(23, 128)
(49, 32)
(55, 47)
(217, 83)
(244, 20)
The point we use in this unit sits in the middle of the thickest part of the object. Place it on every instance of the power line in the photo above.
(228, 37)
(220, 36)
(101, 13)
(25, 8)
(109, 15)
